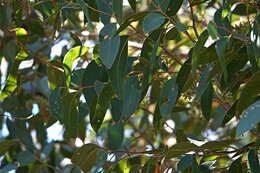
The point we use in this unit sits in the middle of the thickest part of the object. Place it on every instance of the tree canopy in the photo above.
(137, 86)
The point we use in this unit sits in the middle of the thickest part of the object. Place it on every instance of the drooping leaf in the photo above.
(221, 47)
(131, 96)
(185, 162)
(150, 166)
(168, 97)
(206, 101)
(118, 8)
(106, 10)
(249, 119)
(116, 109)
(11, 82)
(174, 7)
(212, 30)
(253, 161)
(117, 72)
(236, 166)
(132, 4)
(56, 75)
(70, 114)
(99, 107)
(152, 22)
(84, 6)
(163, 4)
(108, 50)
(85, 157)
(197, 49)
(115, 136)
(249, 93)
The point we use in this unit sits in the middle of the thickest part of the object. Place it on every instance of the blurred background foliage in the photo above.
(129, 86)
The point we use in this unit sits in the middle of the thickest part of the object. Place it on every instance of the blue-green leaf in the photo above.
(253, 161)
(168, 97)
(131, 96)
(152, 22)
(221, 47)
(118, 8)
(108, 50)
(206, 101)
(249, 119)
(115, 136)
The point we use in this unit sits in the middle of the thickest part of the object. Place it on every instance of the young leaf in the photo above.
(11, 82)
(85, 157)
(249, 119)
(74, 53)
(152, 22)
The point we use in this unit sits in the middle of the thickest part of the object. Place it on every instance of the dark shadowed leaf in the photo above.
(174, 7)
(115, 136)
(118, 9)
(180, 149)
(131, 96)
(168, 97)
(132, 4)
(85, 157)
(99, 107)
(249, 93)
(236, 166)
(253, 161)
(206, 101)
(221, 47)
(197, 50)
(185, 162)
